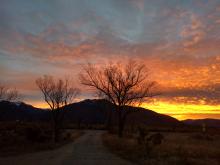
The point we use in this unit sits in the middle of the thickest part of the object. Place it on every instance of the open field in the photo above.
(176, 148)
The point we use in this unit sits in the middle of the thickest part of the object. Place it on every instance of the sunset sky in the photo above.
(178, 40)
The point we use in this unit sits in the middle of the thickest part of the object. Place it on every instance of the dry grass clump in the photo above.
(124, 147)
(176, 148)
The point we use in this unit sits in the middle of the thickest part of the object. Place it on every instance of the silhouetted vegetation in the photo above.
(25, 137)
(57, 94)
(8, 94)
(120, 84)
(166, 148)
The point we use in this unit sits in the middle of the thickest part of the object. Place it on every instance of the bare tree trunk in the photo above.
(57, 94)
(55, 127)
(79, 123)
(56, 132)
(121, 123)
(109, 119)
(120, 129)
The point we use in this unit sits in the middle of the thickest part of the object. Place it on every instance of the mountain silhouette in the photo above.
(87, 111)
(11, 111)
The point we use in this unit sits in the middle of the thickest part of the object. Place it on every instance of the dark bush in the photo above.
(142, 134)
(36, 134)
(148, 142)
(156, 138)
(32, 134)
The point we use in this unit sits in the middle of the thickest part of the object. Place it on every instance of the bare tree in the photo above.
(57, 94)
(122, 85)
(8, 94)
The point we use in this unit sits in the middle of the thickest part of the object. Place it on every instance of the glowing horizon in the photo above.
(178, 111)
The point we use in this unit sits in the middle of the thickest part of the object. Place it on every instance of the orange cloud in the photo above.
(185, 76)
(194, 32)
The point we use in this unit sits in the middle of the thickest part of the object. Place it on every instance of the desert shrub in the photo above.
(148, 142)
(142, 133)
(32, 134)
(36, 134)
(156, 138)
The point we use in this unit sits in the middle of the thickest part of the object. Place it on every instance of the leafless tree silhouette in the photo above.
(57, 94)
(8, 94)
(122, 85)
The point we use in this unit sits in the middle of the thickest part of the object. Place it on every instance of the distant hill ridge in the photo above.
(87, 111)
(198, 122)
(97, 111)
(21, 111)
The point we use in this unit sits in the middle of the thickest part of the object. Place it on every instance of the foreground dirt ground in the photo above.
(87, 150)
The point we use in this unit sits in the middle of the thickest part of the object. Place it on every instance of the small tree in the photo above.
(57, 94)
(8, 94)
(122, 85)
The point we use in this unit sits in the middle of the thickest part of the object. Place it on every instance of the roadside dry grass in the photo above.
(16, 141)
(177, 148)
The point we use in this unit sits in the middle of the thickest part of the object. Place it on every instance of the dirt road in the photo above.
(87, 150)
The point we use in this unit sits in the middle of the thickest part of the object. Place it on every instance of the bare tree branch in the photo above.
(8, 94)
(123, 85)
(57, 94)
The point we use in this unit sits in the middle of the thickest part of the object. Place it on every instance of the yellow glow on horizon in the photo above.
(179, 111)
(184, 111)
(40, 105)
